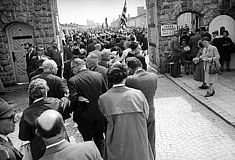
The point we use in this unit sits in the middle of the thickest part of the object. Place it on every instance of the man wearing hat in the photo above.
(7, 125)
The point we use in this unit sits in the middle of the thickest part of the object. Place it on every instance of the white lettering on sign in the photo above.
(168, 30)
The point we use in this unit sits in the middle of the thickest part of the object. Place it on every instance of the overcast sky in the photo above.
(78, 11)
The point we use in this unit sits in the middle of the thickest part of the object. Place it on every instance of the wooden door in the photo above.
(18, 35)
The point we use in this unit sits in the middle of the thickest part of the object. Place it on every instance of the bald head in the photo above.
(92, 60)
(97, 46)
(49, 124)
(49, 66)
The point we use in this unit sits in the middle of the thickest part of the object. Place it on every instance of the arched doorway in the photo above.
(19, 34)
(190, 20)
(229, 24)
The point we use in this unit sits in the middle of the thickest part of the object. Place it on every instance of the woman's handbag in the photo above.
(26, 151)
(214, 68)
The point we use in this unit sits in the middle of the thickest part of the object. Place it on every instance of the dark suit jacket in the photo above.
(67, 151)
(175, 47)
(8, 151)
(30, 66)
(67, 53)
(102, 70)
(140, 57)
(27, 123)
(91, 47)
(57, 87)
(36, 72)
(67, 70)
(147, 83)
(54, 54)
(35, 64)
(90, 85)
(193, 44)
(218, 43)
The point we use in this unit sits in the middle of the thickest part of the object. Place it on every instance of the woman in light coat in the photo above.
(209, 54)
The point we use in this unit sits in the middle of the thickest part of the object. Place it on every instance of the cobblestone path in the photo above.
(186, 130)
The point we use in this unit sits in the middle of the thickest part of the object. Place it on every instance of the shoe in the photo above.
(203, 87)
(209, 94)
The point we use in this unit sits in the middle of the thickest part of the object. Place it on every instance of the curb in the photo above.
(212, 107)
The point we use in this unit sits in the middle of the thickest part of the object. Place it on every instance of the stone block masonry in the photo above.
(35, 13)
(167, 12)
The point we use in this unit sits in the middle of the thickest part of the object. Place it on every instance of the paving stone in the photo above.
(187, 129)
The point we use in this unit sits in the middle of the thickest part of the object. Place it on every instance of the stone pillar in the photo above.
(153, 34)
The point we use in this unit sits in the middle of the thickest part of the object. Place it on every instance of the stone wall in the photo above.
(36, 13)
(167, 13)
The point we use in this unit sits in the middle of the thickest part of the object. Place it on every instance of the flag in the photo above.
(123, 19)
(106, 22)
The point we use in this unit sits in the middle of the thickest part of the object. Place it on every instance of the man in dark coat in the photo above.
(7, 126)
(38, 91)
(68, 50)
(55, 54)
(226, 51)
(92, 64)
(39, 70)
(176, 53)
(91, 46)
(136, 48)
(57, 86)
(84, 91)
(147, 83)
(67, 74)
(35, 60)
(193, 43)
(217, 41)
(31, 52)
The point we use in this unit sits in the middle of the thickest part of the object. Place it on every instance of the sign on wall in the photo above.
(168, 30)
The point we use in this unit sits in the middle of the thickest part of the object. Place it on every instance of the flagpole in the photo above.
(123, 19)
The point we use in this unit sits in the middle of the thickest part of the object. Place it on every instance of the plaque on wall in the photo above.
(168, 30)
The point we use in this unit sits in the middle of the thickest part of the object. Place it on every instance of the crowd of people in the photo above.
(199, 53)
(104, 87)
(101, 82)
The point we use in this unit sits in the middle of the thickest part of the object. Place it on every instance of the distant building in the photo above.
(66, 28)
(116, 23)
(139, 21)
(90, 23)
(140, 10)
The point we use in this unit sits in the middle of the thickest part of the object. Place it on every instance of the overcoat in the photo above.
(126, 110)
